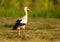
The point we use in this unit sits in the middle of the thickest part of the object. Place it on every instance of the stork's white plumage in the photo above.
(21, 23)
(25, 18)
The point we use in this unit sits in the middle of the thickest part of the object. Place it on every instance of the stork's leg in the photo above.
(24, 30)
(18, 31)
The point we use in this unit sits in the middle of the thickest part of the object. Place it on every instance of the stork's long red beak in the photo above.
(29, 10)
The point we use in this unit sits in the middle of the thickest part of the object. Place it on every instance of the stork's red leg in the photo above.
(18, 31)
(24, 30)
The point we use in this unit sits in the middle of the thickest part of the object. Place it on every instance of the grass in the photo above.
(38, 29)
(36, 13)
(40, 8)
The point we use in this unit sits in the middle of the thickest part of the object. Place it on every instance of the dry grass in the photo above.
(39, 30)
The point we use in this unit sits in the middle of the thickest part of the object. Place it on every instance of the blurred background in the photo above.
(40, 8)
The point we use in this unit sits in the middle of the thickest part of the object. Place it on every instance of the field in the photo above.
(43, 25)
(38, 29)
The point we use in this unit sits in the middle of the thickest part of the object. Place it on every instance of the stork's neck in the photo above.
(26, 12)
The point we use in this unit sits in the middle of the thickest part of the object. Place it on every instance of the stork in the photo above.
(21, 23)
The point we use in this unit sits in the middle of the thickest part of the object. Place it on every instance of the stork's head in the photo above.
(26, 9)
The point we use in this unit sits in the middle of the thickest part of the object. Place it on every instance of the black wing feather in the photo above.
(17, 24)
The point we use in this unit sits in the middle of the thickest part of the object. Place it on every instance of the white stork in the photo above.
(21, 23)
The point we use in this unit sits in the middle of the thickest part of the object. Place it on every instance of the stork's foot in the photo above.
(18, 36)
(25, 37)
(28, 36)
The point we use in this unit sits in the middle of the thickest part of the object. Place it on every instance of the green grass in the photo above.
(40, 8)
(10, 12)
(36, 13)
